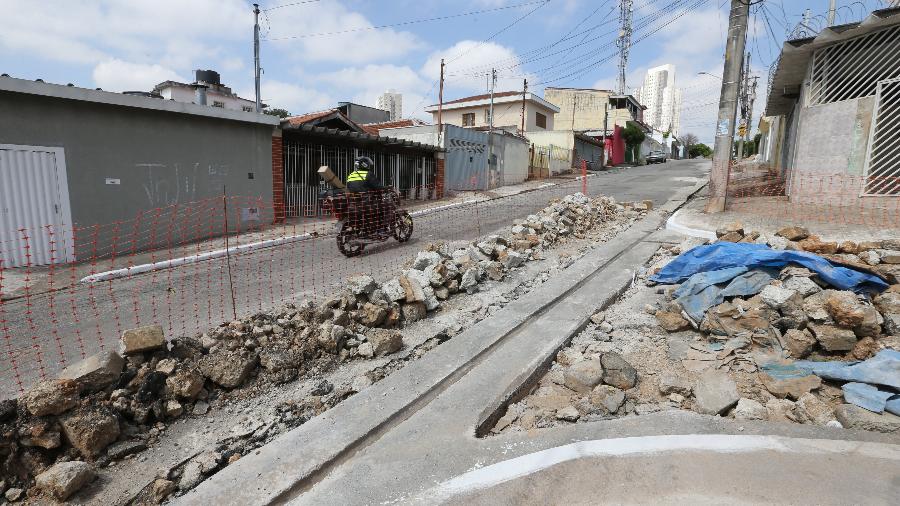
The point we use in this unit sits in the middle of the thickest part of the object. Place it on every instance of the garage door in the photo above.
(35, 218)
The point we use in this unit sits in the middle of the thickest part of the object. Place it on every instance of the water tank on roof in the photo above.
(207, 76)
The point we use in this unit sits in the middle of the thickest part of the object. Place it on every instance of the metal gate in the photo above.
(35, 217)
(883, 158)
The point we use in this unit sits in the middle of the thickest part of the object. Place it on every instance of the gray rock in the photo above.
(583, 376)
(855, 417)
(366, 350)
(617, 371)
(748, 409)
(185, 383)
(834, 338)
(166, 366)
(776, 296)
(469, 279)
(143, 339)
(413, 312)
(607, 399)
(393, 290)
(201, 408)
(14, 494)
(715, 392)
(274, 359)
(802, 285)
(95, 372)
(568, 414)
(781, 410)
(361, 284)
(425, 259)
(197, 468)
(513, 260)
(228, 369)
(671, 383)
(51, 397)
(64, 479)
(799, 342)
(90, 430)
(385, 342)
(813, 410)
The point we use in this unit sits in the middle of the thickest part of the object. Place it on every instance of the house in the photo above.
(330, 137)
(374, 128)
(82, 162)
(363, 113)
(590, 118)
(832, 113)
(207, 89)
(474, 112)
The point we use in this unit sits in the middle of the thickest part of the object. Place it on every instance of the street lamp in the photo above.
(708, 74)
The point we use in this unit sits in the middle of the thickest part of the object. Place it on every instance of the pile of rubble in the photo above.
(113, 405)
(797, 350)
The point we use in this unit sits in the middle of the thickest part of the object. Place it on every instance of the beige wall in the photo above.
(588, 108)
(505, 115)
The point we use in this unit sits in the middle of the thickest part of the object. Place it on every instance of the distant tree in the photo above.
(689, 140)
(699, 149)
(281, 113)
(633, 136)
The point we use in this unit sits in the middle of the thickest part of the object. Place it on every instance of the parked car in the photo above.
(656, 157)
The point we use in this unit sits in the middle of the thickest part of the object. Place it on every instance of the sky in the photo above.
(315, 53)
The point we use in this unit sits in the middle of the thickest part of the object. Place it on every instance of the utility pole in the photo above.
(574, 103)
(626, 10)
(524, 92)
(441, 105)
(256, 54)
(734, 52)
(831, 12)
(605, 120)
(490, 129)
(745, 97)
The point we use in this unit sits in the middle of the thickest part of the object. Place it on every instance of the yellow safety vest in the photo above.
(357, 175)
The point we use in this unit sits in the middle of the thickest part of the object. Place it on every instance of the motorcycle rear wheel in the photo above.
(402, 227)
(345, 236)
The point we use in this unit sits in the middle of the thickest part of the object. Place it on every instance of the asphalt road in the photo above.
(44, 333)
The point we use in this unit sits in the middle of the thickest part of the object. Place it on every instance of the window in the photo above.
(540, 120)
(469, 119)
(216, 103)
(247, 108)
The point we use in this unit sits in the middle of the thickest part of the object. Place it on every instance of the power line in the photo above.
(290, 4)
(498, 32)
(409, 22)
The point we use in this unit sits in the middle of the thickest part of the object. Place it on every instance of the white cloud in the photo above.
(468, 64)
(294, 98)
(232, 64)
(293, 32)
(118, 75)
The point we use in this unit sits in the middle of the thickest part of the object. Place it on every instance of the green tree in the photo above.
(633, 136)
(281, 113)
(699, 149)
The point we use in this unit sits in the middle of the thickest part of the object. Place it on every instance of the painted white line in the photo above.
(673, 225)
(525, 465)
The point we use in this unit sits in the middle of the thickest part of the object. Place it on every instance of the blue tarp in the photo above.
(866, 396)
(703, 291)
(882, 369)
(728, 255)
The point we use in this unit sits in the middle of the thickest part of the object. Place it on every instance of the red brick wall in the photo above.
(278, 179)
(439, 178)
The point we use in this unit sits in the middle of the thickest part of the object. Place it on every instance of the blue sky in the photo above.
(131, 45)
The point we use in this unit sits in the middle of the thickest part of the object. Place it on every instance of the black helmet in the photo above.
(363, 163)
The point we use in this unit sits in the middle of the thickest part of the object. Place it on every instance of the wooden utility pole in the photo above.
(441, 104)
(734, 54)
(524, 92)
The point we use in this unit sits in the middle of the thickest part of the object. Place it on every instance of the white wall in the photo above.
(507, 114)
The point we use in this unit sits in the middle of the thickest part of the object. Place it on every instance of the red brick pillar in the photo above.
(278, 178)
(439, 175)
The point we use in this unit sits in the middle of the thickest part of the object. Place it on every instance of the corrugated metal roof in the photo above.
(361, 137)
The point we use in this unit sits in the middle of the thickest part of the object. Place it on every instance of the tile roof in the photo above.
(310, 116)
(484, 96)
(374, 128)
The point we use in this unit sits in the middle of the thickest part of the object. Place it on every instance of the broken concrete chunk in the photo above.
(90, 430)
(64, 479)
(568, 414)
(95, 372)
(607, 399)
(845, 308)
(834, 338)
(362, 284)
(51, 397)
(670, 383)
(583, 376)
(228, 369)
(385, 342)
(788, 381)
(813, 410)
(803, 285)
(776, 296)
(413, 312)
(185, 383)
(793, 233)
(143, 339)
(393, 290)
(731, 228)
(781, 410)
(413, 289)
(855, 417)
(799, 342)
(617, 371)
(672, 322)
(748, 409)
(715, 392)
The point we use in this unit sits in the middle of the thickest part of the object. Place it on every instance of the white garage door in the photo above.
(35, 218)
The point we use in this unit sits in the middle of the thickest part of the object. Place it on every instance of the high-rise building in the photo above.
(392, 102)
(662, 99)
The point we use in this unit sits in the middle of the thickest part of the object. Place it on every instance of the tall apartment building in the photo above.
(662, 99)
(392, 102)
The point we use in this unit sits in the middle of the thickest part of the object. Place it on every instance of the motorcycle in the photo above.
(358, 221)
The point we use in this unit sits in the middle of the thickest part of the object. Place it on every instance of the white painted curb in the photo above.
(673, 225)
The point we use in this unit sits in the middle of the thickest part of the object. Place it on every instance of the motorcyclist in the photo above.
(367, 190)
